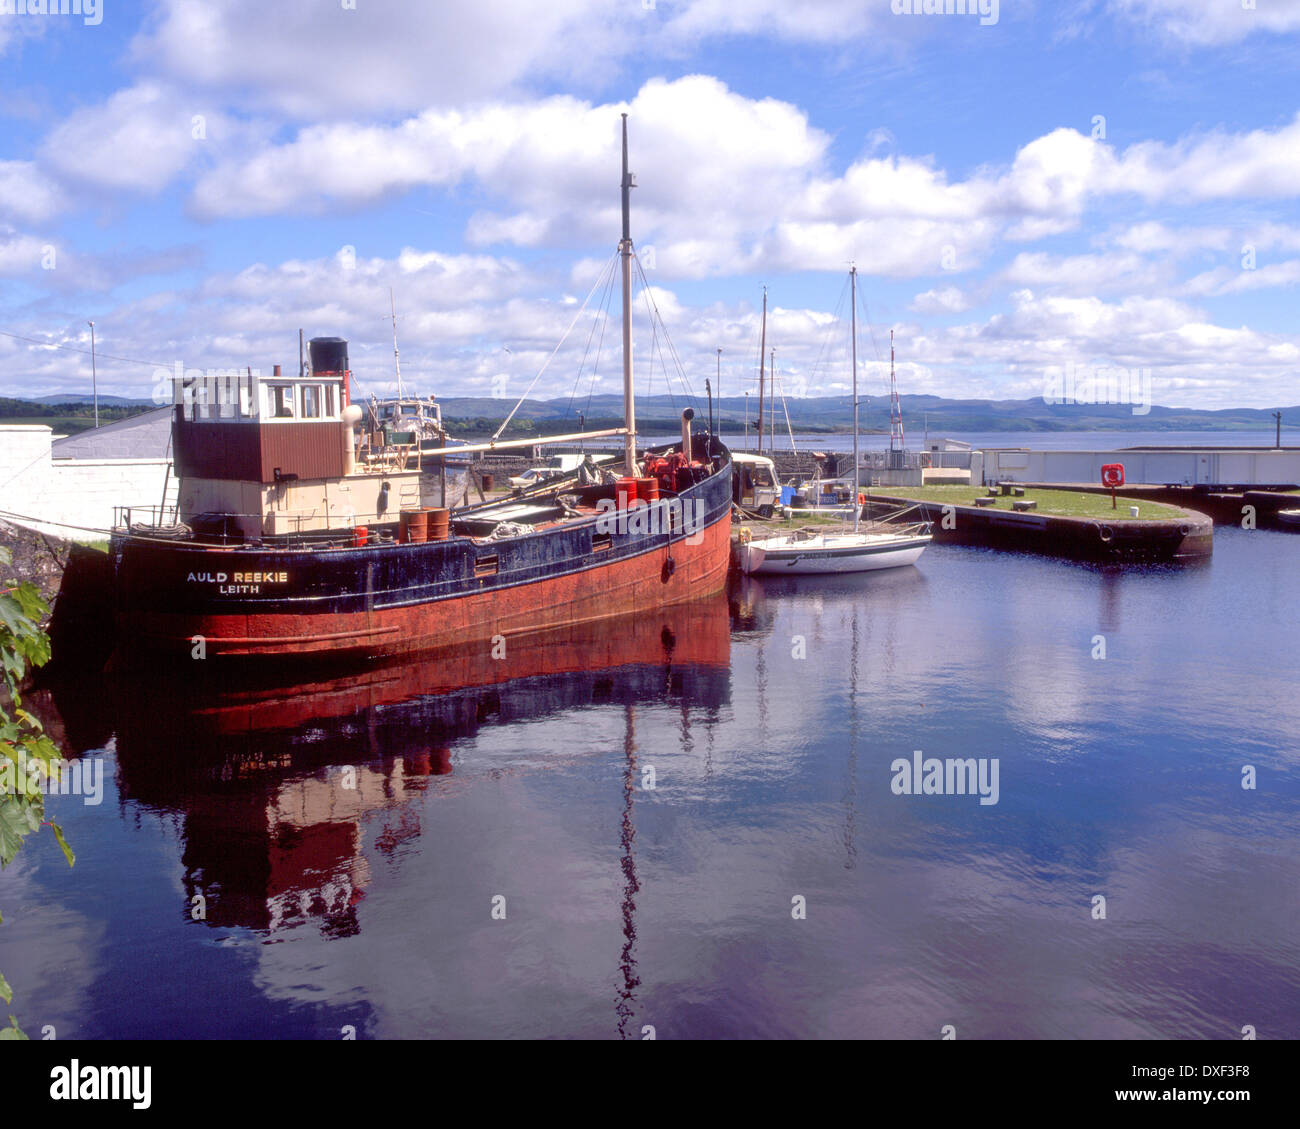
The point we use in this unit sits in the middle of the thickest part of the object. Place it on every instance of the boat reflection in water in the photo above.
(279, 787)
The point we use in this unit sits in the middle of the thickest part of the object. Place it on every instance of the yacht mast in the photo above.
(857, 510)
(625, 252)
(771, 404)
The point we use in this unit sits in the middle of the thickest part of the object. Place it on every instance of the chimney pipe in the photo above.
(687, 416)
(277, 370)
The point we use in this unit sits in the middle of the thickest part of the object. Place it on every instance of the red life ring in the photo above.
(1112, 475)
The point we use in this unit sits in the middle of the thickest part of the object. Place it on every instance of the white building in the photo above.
(68, 487)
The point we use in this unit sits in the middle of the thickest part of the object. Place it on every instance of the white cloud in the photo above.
(947, 300)
(315, 60)
(20, 254)
(812, 21)
(1259, 164)
(1152, 235)
(1083, 274)
(26, 194)
(138, 140)
(1206, 23)
(1227, 280)
(710, 161)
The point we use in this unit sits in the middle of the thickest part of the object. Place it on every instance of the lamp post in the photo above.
(719, 383)
(94, 377)
(746, 421)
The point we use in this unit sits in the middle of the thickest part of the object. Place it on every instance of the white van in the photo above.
(754, 484)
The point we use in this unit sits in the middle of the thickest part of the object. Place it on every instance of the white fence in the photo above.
(1173, 467)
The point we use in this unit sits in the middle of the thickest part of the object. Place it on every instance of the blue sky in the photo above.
(202, 179)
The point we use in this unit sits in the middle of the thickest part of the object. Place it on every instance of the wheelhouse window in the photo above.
(280, 401)
(311, 401)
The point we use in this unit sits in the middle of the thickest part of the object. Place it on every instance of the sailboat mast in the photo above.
(771, 404)
(625, 252)
(397, 360)
(853, 305)
(895, 405)
(762, 353)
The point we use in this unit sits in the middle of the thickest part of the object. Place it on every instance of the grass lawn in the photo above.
(1058, 503)
(60, 425)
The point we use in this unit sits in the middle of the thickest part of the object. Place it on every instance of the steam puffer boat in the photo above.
(294, 540)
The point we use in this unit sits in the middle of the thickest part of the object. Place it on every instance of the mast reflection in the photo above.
(276, 789)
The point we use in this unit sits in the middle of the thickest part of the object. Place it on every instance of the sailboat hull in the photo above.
(784, 556)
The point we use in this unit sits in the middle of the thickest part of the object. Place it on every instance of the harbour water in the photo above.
(621, 830)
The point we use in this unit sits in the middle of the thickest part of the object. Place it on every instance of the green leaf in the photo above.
(11, 615)
(31, 602)
(13, 1032)
(13, 826)
(67, 851)
(6, 992)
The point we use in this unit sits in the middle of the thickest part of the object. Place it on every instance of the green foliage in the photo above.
(29, 760)
(45, 413)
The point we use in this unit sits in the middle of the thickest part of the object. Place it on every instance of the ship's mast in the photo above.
(625, 252)
(762, 354)
(853, 305)
(397, 360)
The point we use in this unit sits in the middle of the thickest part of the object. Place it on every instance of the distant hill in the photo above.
(834, 413)
(78, 398)
(480, 414)
(65, 415)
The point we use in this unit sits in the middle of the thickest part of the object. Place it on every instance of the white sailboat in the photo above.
(811, 551)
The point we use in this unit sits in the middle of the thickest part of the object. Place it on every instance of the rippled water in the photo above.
(348, 837)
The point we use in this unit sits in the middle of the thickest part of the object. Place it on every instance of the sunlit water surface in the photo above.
(491, 861)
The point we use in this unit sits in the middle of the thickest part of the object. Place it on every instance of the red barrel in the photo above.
(439, 523)
(647, 489)
(360, 535)
(625, 493)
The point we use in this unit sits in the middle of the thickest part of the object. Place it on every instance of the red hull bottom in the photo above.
(618, 589)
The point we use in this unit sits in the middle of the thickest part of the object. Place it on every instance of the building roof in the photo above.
(144, 436)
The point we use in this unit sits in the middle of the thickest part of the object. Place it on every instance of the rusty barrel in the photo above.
(438, 523)
(647, 489)
(625, 493)
(414, 527)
